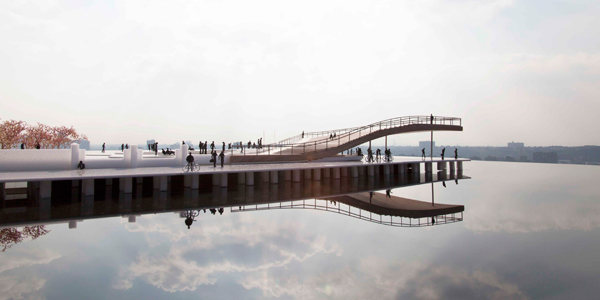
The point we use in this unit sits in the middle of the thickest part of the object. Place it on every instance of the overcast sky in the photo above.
(127, 71)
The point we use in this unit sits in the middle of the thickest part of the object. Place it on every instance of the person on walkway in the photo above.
(444, 183)
(214, 158)
(443, 151)
(455, 153)
(190, 161)
(103, 147)
(81, 165)
(126, 146)
(431, 119)
(370, 196)
(423, 153)
(212, 147)
(156, 148)
(223, 146)
(330, 136)
(37, 146)
(122, 147)
(182, 142)
(222, 157)
(388, 193)
(302, 133)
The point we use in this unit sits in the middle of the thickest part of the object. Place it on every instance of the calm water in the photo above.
(529, 231)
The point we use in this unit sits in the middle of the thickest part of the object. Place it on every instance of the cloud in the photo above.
(22, 287)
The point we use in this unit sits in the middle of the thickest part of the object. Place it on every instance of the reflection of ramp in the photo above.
(316, 145)
(397, 206)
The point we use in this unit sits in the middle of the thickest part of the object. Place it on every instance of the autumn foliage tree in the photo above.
(13, 133)
(12, 236)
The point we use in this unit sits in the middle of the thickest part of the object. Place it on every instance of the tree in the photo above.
(11, 236)
(11, 133)
(39, 133)
(63, 136)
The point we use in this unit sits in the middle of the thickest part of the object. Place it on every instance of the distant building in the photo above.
(545, 157)
(426, 144)
(523, 158)
(509, 158)
(83, 144)
(516, 145)
(150, 142)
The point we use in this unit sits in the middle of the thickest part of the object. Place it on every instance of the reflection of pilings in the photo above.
(354, 171)
(264, 176)
(242, 178)
(288, 175)
(361, 170)
(45, 189)
(428, 167)
(459, 165)
(224, 180)
(371, 170)
(45, 208)
(452, 166)
(88, 187)
(441, 165)
(87, 206)
(216, 179)
(344, 171)
(326, 173)
(296, 175)
(125, 202)
(336, 173)
(274, 176)
(2, 192)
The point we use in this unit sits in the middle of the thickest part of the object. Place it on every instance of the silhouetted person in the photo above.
(183, 142)
(190, 161)
(388, 193)
(212, 146)
(444, 183)
(432, 220)
(155, 148)
(122, 147)
(214, 158)
(103, 147)
(302, 133)
(213, 211)
(221, 210)
(189, 221)
(37, 146)
(126, 146)
(431, 119)
(455, 153)
(423, 153)
(330, 136)
(443, 151)
(222, 157)
(81, 165)
(223, 146)
(370, 196)
(22, 146)
(456, 181)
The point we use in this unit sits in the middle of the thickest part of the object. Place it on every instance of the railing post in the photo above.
(315, 147)
(292, 149)
(304, 148)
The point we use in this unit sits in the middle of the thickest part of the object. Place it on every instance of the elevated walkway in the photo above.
(317, 145)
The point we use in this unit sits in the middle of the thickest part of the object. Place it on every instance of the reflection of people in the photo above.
(189, 221)
(122, 147)
(444, 183)
(302, 133)
(456, 181)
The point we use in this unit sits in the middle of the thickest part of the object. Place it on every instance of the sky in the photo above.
(128, 71)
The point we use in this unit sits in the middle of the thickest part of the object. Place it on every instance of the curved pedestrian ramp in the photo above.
(321, 144)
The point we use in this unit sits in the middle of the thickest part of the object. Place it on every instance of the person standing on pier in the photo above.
(156, 148)
(223, 148)
(222, 157)
(126, 146)
(423, 153)
(214, 158)
(455, 153)
(431, 119)
(103, 147)
(122, 147)
(302, 133)
(443, 151)
(212, 147)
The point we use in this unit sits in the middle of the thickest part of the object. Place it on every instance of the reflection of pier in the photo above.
(69, 204)
(394, 211)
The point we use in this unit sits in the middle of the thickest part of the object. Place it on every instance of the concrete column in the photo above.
(274, 177)
(354, 171)
(74, 155)
(288, 175)
(121, 184)
(187, 181)
(371, 171)
(326, 172)
(216, 179)
(45, 189)
(88, 187)
(72, 224)
(362, 170)
(264, 176)
(307, 174)
(156, 182)
(336, 173)
(386, 170)
(134, 155)
(344, 171)
(317, 174)
(417, 168)
(452, 166)
(241, 178)
(109, 181)
(223, 179)
(2, 191)
(459, 165)
(128, 185)
(163, 183)
(296, 175)
(441, 165)
(195, 182)
(249, 178)
(428, 167)
(402, 169)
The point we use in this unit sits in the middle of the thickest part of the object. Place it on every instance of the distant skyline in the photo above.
(128, 71)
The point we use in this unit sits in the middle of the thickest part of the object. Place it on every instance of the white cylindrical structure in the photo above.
(250, 178)
(88, 187)
(45, 189)
(354, 171)
(317, 174)
(223, 179)
(74, 156)
(336, 173)
(134, 156)
(296, 175)
(274, 177)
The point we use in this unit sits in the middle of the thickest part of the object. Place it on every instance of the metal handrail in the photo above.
(345, 134)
